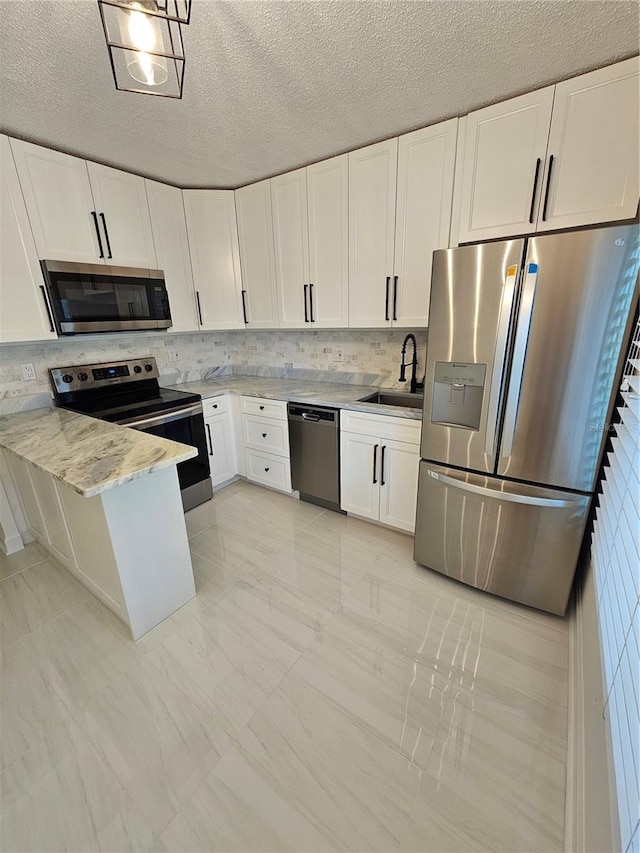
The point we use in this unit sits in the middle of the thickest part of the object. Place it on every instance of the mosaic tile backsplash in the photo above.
(361, 357)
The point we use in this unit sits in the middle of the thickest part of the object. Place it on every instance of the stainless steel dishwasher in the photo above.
(314, 439)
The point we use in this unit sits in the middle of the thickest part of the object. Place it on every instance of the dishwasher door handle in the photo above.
(308, 416)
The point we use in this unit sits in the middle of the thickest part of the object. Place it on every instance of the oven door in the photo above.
(187, 427)
(95, 298)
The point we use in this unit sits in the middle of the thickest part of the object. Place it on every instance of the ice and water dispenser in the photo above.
(458, 389)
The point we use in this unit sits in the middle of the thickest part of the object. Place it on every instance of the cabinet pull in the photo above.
(209, 437)
(106, 234)
(199, 307)
(546, 192)
(52, 328)
(386, 299)
(384, 447)
(95, 222)
(306, 313)
(313, 319)
(262, 408)
(215, 406)
(266, 470)
(375, 463)
(395, 297)
(264, 435)
(535, 187)
(244, 306)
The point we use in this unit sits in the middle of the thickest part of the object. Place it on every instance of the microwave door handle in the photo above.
(164, 418)
(497, 369)
(106, 234)
(52, 328)
(511, 497)
(517, 364)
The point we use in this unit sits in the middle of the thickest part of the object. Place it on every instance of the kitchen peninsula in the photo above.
(105, 501)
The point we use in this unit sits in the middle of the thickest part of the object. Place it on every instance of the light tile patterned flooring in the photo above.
(322, 692)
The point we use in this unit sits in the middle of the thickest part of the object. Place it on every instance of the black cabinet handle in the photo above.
(52, 328)
(386, 299)
(209, 437)
(313, 319)
(395, 297)
(106, 234)
(266, 470)
(375, 463)
(261, 408)
(384, 447)
(215, 405)
(546, 192)
(95, 222)
(244, 306)
(535, 187)
(264, 435)
(306, 313)
(199, 307)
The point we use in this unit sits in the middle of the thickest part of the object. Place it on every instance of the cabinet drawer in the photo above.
(265, 408)
(382, 426)
(215, 406)
(269, 470)
(265, 434)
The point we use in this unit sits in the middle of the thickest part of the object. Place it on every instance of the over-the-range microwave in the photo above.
(85, 298)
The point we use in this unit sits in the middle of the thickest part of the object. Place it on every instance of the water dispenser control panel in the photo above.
(458, 391)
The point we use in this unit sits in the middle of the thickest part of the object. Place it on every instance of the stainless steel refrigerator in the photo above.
(523, 352)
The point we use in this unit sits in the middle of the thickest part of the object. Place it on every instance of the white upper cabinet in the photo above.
(502, 167)
(169, 230)
(23, 311)
(372, 203)
(57, 194)
(426, 163)
(328, 206)
(594, 145)
(215, 257)
(84, 212)
(291, 243)
(121, 201)
(257, 256)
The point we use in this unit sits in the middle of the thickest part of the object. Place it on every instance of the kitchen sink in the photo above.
(394, 398)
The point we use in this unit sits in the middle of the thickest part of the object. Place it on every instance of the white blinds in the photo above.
(616, 558)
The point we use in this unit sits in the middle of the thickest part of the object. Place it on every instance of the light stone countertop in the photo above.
(88, 455)
(336, 394)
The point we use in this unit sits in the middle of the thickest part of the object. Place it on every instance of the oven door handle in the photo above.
(164, 418)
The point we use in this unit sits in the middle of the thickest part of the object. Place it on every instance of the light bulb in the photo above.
(143, 36)
(142, 31)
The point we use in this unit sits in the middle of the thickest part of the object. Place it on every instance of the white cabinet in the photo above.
(23, 309)
(257, 256)
(426, 164)
(400, 197)
(265, 438)
(291, 244)
(502, 166)
(82, 211)
(215, 257)
(220, 440)
(372, 196)
(121, 200)
(169, 229)
(560, 157)
(57, 193)
(379, 459)
(310, 228)
(594, 145)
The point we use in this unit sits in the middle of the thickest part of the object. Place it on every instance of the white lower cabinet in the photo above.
(265, 438)
(379, 459)
(220, 440)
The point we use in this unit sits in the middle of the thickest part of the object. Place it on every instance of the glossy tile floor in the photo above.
(322, 692)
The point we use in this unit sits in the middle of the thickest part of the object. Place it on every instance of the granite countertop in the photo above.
(336, 394)
(88, 455)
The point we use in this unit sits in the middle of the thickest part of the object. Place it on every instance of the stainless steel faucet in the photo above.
(415, 385)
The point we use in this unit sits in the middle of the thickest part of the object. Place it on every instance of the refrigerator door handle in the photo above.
(498, 495)
(519, 355)
(499, 358)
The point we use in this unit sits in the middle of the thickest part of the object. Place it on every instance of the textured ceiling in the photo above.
(273, 85)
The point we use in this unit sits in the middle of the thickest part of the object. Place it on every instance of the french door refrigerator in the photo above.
(524, 348)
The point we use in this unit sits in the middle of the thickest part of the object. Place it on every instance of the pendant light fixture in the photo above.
(144, 38)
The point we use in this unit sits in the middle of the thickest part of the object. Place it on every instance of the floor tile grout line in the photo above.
(26, 568)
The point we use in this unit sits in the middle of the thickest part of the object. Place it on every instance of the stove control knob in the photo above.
(137, 369)
(148, 367)
(67, 378)
(82, 377)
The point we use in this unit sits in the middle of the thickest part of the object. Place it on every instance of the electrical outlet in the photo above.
(28, 371)
(173, 356)
(338, 355)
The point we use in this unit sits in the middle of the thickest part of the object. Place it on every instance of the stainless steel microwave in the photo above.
(84, 298)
